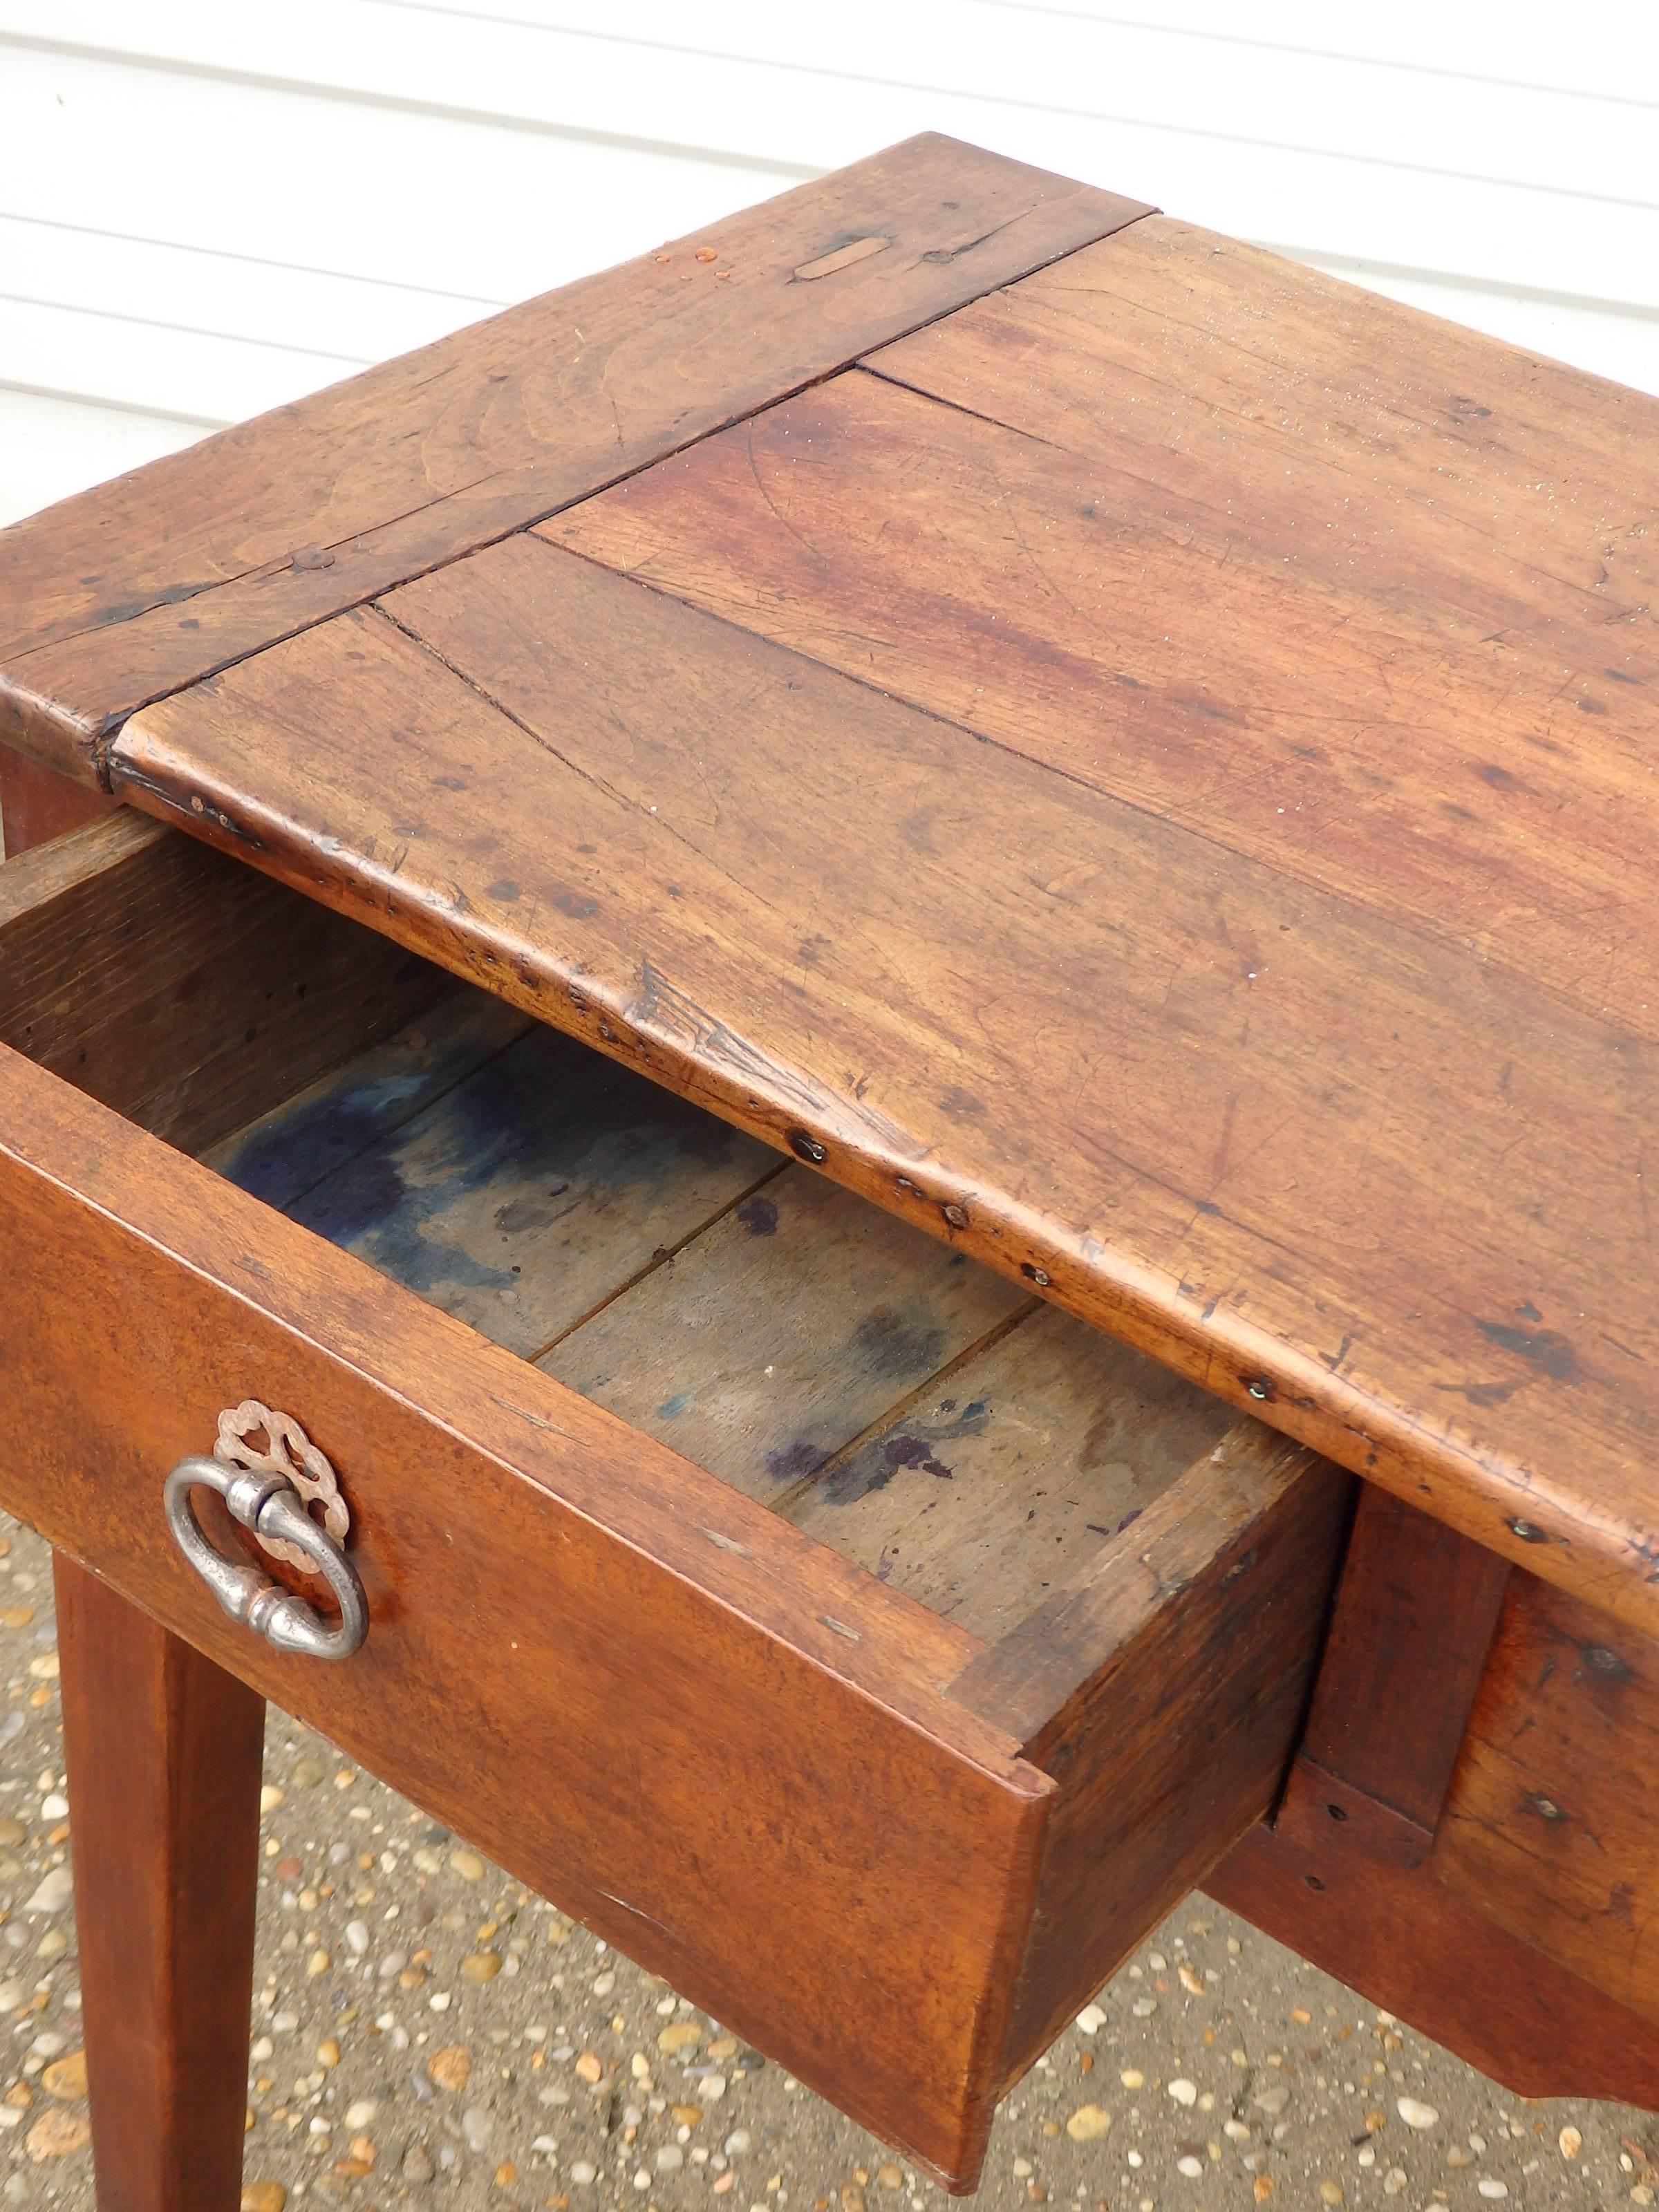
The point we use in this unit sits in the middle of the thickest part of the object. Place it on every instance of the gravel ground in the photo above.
(426, 2033)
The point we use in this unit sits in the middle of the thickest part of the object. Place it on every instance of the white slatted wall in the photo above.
(210, 206)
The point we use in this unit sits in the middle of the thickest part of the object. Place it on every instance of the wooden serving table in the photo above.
(1083, 800)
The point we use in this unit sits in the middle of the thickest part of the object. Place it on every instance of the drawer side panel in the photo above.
(1165, 1692)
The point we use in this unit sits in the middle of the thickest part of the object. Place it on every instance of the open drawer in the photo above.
(834, 1626)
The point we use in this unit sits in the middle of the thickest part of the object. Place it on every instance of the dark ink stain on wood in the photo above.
(1605, 1664)
(795, 1460)
(1480, 1394)
(890, 1344)
(1546, 1348)
(1527, 1312)
(759, 1216)
(507, 891)
(521, 1213)
(914, 1451)
(920, 1444)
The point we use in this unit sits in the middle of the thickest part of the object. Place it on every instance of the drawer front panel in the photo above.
(725, 1748)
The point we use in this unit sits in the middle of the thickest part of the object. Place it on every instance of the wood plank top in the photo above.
(130, 591)
(1149, 777)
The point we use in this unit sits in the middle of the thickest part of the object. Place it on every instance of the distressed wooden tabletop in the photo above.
(1135, 754)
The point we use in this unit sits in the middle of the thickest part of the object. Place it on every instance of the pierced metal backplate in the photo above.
(259, 1441)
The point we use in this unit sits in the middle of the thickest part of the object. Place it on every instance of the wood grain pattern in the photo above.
(37, 804)
(1335, 1169)
(1389, 641)
(534, 1190)
(1409, 1635)
(130, 591)
(164, 1792)
(503, 1528)
(1356, 1895)
(153, 975)
(1170, 1724)
(1008, 1477)
(967, 1444)
(774, 1340)
(1551, 1826)
(328, 1128)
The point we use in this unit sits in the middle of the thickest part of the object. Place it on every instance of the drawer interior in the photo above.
(1077, 1678)
(966, 1442)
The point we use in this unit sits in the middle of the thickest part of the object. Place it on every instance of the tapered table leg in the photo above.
(163, 1753)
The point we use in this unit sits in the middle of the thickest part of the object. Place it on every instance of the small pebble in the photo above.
(468, 1865)
(1088, 2123)
(482, 1966)
(1191, 2167)
(417, 2162)
(475, 2127)
(53, 1892)
(1184, 2092)
(55, 2133)
(66, 2078)
(451, 2067)
(1414, 2114)
(1091, 2020)
(263, 2197)
(1330, 2192)
(1489, 2185)
(1570, 2142)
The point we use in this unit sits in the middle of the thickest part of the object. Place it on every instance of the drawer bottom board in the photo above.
(962, 1440)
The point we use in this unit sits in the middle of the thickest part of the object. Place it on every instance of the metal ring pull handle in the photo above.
(272, 1507)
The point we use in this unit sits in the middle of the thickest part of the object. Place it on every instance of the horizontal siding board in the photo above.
(208, 211)
(335, 185)
(1076, 91)
(50, 446)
